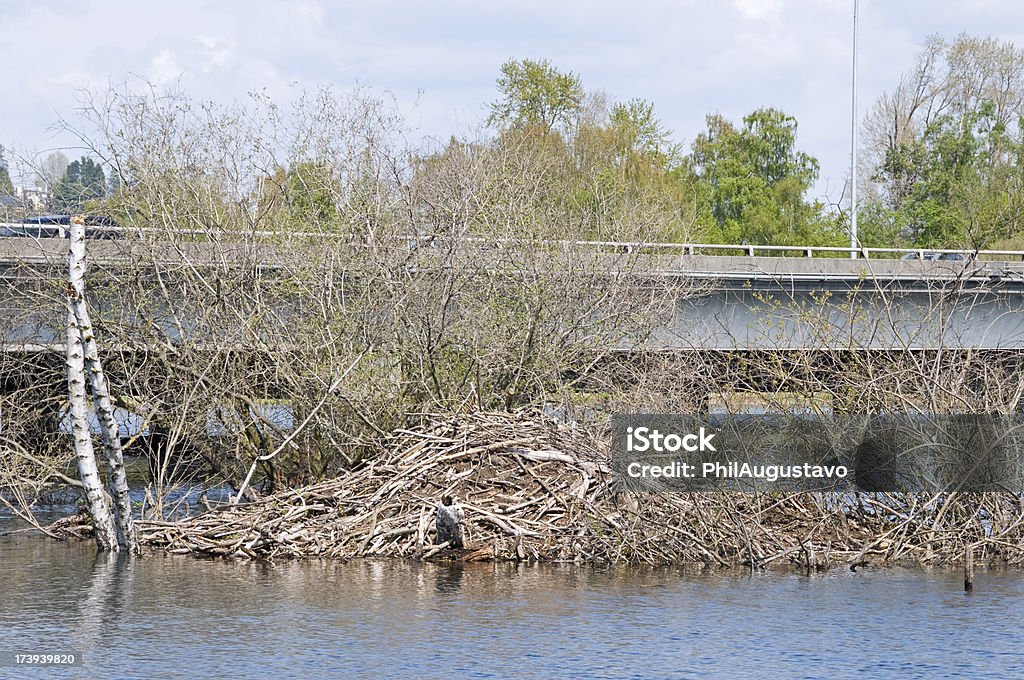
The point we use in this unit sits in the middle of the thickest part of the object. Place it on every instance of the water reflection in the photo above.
(167, 616)
(105, 597)
(448, 579)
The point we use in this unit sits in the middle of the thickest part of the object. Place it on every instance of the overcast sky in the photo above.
(440, 58)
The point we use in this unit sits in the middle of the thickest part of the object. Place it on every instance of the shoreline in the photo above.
(76, 528)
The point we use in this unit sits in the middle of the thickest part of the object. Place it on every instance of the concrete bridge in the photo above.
(742, 298)
(780, 303)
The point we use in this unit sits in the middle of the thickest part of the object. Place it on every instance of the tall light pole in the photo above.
(853, 142)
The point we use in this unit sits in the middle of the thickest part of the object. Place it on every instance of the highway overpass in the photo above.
(731, 297)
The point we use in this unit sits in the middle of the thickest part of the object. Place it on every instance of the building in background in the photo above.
(33, 200)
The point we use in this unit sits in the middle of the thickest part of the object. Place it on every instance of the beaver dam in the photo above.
(532, 489)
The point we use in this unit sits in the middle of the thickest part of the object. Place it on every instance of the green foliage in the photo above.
(947, 148)
(311, 190)
(564, 165)
(83, 181)
(958, 182)
(301, 198)
(611, 180)
(880, 227)
(535, 94)
(567, 165)
(752, 182)
(638, 131)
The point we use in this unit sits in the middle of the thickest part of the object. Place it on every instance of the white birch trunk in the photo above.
(117, 478)
(103, 525)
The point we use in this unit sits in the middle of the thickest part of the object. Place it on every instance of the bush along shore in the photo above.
(522, 487)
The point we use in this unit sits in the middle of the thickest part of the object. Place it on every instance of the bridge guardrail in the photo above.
(414, 241)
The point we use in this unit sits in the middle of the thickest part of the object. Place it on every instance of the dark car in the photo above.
(47, 219)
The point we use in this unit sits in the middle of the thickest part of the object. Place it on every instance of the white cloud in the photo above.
(759, 10)
(164, 69)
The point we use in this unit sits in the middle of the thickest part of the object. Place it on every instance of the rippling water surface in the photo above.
(172, 617)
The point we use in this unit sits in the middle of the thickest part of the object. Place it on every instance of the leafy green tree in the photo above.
(641, 140)
(624, 175)
(753, 180)
(945, 148)
(536, 94)
(959, 181)
(565, 163)
(83, 181)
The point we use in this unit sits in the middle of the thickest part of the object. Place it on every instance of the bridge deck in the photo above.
(748, 302)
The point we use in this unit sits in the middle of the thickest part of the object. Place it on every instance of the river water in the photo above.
(175, 616)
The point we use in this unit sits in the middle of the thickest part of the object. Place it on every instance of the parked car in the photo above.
(47, 219)
(929, 255)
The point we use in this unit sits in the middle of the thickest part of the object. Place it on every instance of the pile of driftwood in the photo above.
(523, 487)
(503, 486)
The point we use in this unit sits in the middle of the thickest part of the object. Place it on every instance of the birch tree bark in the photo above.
(117, 478)
(103, 524)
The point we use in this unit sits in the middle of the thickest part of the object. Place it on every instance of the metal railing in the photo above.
(750, 250)
(22, 230)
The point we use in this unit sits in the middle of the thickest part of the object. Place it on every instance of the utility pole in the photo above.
(853, 143)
